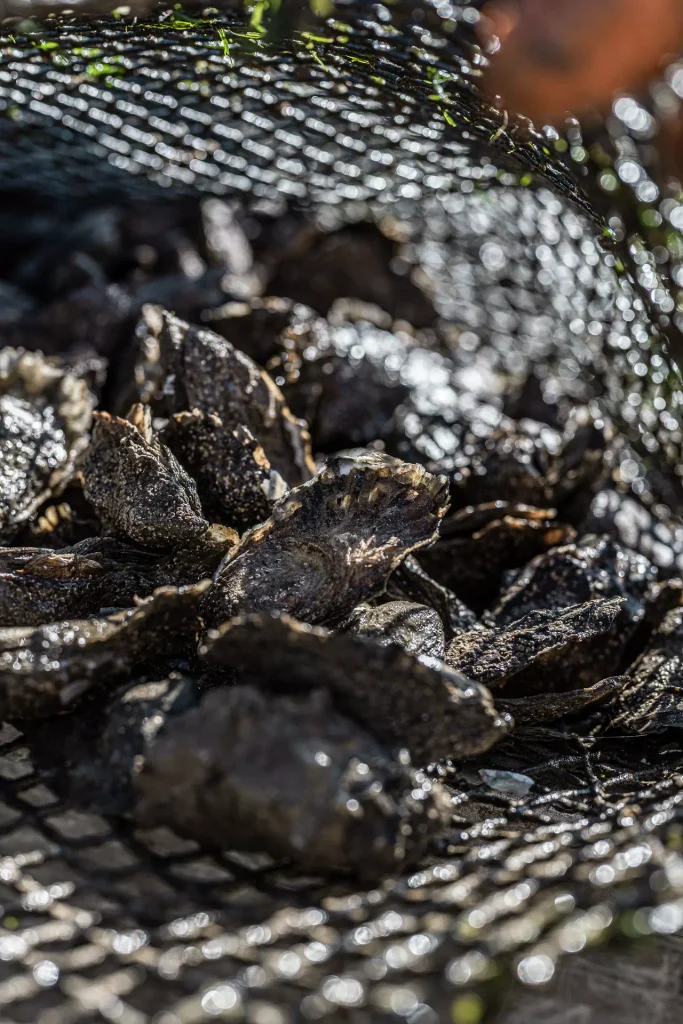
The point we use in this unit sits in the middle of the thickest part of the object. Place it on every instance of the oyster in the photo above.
(658, 537)
(331, 543)
(651, 699)
(45, 412)
(530, 463)
(44, 670)
(477, 544)
(358, 383)
(136, 485)
(414, 627)
(202, 371)
(543, 650)
(289, 776)
(411, 581)
(401, 699)
(99, 574)
(574, 573)
(41, 585)
(355, 261)
(548, 707)
(235, 482)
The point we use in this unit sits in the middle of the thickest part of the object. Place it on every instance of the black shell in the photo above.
(45, 413)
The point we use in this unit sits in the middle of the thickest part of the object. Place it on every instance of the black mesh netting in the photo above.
(370, 115)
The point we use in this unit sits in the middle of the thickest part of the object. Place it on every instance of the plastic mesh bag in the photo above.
(370, 113)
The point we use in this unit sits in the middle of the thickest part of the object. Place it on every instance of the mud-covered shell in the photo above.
(544, 650)
(44, 670)
(292, 777)
(403, 700)
(331, 543)
(137, 486)
(45, 413)
(203, 371)
(236, 484)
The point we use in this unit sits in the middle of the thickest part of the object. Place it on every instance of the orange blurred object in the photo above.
(556, 56)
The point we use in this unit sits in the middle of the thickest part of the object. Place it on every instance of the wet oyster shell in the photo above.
(38, 586)
(136, 485)
(235, 482)
(331, 543)
(401, 699)
(574, 573)
(531, 463)
(204, 372)
(651, 700)
(544, 650)
(44, 670)
(411, 581)
(45, 412)
(288, 776)
(479, 543)
(549, 707)
(414, 627)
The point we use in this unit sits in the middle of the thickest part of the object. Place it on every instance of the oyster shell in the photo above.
(235, 482)
(549, 707)
(331, 543)
(45, 412)
(414, 627)
(479, 543)
(543, 650)
(401, 699)
(290, 776)
(38, 586)
(651, 699)
(44, 670)
(528, 462)
(202, 371)
(136, 485)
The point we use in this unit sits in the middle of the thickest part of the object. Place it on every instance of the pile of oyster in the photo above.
(292, 626)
